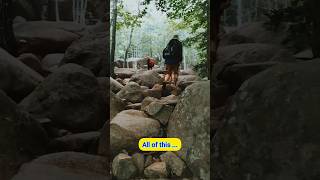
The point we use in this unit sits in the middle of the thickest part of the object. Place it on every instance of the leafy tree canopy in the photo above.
(128, 19)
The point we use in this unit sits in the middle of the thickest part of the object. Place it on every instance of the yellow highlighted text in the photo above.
(160, 144)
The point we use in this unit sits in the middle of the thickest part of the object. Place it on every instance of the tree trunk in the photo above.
(184, 62)
(128, 48)
(239, 12)
(113, 36)
(83, 12)
(74, 10)
(255, 17)
(7, 39)
(57, 10)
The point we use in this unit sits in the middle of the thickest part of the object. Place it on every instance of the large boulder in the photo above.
(190, 121)
(131, 92)
(65, 165)
(147, 78)
(43, 38)
(89, 51)
(128, 127)
(16, 79)
(21, 137)
(51, 61)
(249, 53)
(71, 98)
(272, 126)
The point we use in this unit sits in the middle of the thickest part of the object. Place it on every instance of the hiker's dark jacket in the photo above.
(178, 54)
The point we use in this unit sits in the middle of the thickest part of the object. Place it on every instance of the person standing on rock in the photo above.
(173, 57)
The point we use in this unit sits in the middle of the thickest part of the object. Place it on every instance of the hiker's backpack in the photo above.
(171, 50)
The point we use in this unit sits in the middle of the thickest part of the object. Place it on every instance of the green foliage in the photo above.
(129, 20)
(201, 68)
